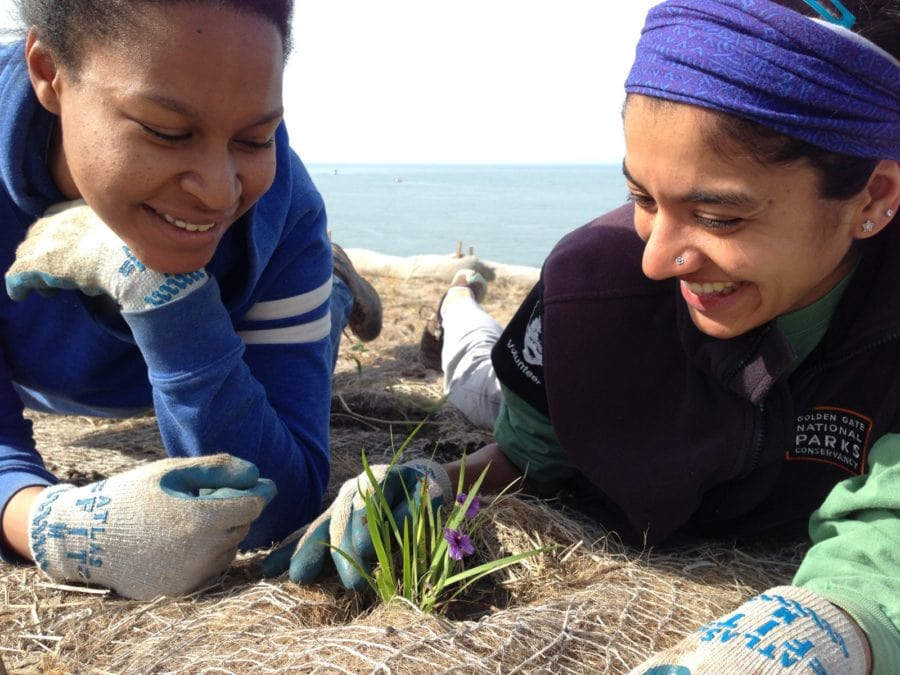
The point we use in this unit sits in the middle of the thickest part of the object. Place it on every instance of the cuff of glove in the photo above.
(872, 615)
(13, 482)
(436, 473)
(784, 627)
(46, 540)
(152, 290)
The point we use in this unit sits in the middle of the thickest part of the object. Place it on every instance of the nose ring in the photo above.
(679, 260)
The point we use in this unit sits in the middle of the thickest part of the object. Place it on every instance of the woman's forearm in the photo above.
(15, 521)
(501, 474)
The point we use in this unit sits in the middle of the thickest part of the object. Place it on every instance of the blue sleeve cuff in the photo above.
(178, 337)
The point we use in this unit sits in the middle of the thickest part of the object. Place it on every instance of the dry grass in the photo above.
(590, 606)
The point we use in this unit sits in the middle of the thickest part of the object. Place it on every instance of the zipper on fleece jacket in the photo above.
(759, 438)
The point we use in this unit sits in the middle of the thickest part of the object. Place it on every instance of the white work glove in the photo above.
(71, 248)
(343, 524)
(783, 630)
(160, 529)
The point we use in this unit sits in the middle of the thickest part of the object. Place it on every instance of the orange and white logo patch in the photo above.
(835, 436)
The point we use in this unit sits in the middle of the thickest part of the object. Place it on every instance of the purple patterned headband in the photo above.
(763, 62)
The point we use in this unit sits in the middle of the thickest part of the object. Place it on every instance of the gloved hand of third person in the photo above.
(71, 248)
(160, 529)
(786, 629)
(343, 524)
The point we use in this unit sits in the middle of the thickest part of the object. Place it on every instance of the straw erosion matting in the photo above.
(589, 606)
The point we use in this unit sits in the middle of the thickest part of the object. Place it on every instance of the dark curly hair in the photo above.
(66, 26)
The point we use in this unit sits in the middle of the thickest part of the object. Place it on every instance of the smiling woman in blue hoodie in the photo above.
(720, 358)
(184, 269)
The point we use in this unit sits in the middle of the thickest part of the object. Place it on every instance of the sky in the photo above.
(472, 81)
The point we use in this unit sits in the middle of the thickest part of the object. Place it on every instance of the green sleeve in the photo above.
(855, 558)
(528, 440)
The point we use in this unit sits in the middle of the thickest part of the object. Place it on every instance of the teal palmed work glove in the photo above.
(71, 248)
(160, 529)
(343, 524)
(783, 631)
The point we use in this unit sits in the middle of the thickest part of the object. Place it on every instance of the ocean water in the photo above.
(512, 214)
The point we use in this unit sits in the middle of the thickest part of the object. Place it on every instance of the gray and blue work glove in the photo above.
(71, 248)
(343, 524)
(160, 529)
(783, 630)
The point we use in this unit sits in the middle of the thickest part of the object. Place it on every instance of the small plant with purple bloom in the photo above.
(426, 569)
(474, 505)
(458, 543)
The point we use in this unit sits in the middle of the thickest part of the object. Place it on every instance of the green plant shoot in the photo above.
(419, 557)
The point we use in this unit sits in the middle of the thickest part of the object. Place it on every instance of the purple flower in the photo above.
(460, 544)
(474, 507)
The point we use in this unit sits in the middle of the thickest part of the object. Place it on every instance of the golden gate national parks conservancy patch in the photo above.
(834, 436)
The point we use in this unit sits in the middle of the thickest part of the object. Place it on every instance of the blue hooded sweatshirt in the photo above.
(241, 366)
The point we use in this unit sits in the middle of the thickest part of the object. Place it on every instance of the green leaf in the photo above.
(472, 575)
(407, 552)
(385, 577)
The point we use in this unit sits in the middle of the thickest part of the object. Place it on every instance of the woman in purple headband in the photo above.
(721, 357)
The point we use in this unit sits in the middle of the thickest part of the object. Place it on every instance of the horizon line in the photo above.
(613, 163)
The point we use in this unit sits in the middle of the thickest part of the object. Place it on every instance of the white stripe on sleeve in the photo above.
(306, 332)
(273, 310)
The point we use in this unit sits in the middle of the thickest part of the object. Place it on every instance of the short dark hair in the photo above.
(66, 26)
(840, 176)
